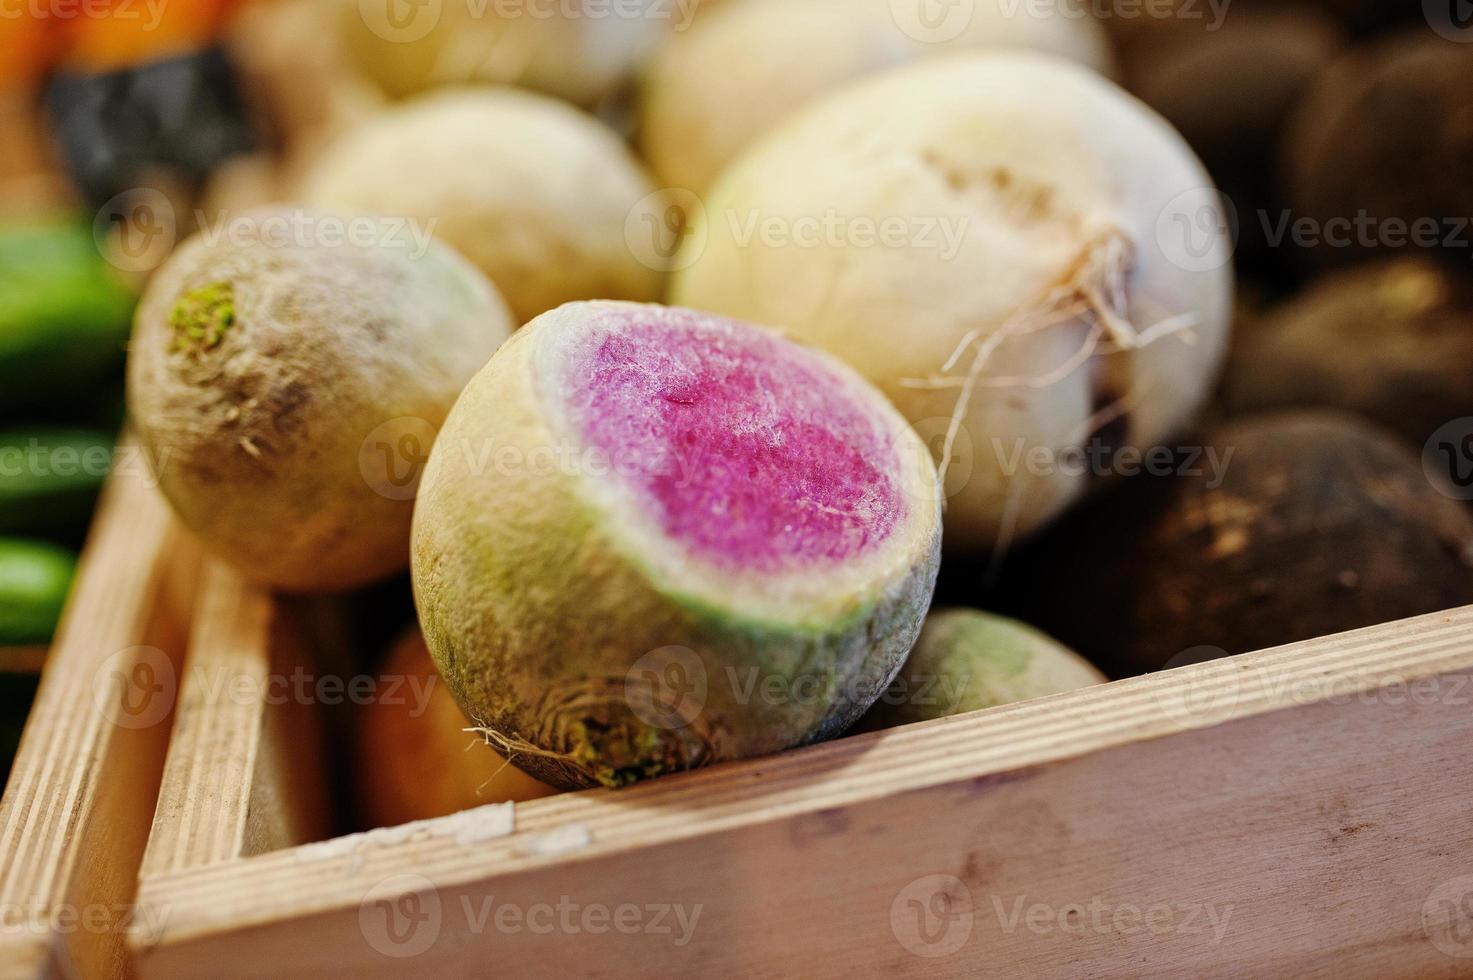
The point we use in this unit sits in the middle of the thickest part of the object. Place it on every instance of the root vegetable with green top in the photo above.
(286, 392)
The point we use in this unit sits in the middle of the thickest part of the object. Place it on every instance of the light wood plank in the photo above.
(230, 784)
(1310, 797)
(75, 813)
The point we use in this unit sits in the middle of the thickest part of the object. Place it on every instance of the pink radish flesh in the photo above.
(750, 451)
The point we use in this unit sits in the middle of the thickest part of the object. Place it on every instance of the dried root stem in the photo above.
(1094, 291)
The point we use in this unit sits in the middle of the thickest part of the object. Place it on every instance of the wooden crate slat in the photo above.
(823, 819)
(87, 767)
(206, 783)
(226, 750)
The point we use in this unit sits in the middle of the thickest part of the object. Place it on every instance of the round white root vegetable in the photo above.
(650, 539)
(741, 67)
(579, 50)
(996, 241)
(417, 758)
(267, 371)
(534, 192)
(968, 660)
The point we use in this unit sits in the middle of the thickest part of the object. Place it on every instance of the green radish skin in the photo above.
(50, 479)
(35, 578)
(595, 645)
(265, 375)
(966, 660)
(64, 314)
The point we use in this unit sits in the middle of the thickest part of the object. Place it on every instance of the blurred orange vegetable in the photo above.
(111, 34)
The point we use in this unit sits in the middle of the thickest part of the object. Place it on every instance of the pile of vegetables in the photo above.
(64, 318)
(679, 355)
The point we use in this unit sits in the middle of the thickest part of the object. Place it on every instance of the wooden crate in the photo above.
(76, 810)
(1301, 812)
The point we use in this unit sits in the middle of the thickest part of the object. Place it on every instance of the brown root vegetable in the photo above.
(1157, 20)
(416, 758)
(968, 660)
(1299, 525)
(1392, 342)
(1376, 158)
(1372, 15)
(1230, 92)
(286, 379)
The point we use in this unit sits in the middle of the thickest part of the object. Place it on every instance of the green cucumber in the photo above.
(35, 578)
(50, 478)
(64, 314)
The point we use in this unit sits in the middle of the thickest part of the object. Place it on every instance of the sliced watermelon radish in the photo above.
(649, 539)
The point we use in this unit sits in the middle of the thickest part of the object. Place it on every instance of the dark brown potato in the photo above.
(1365, 16)
(1230, 92)
(1321, 523)
(1161, 21)
(1378, 154)
(1391, 341)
